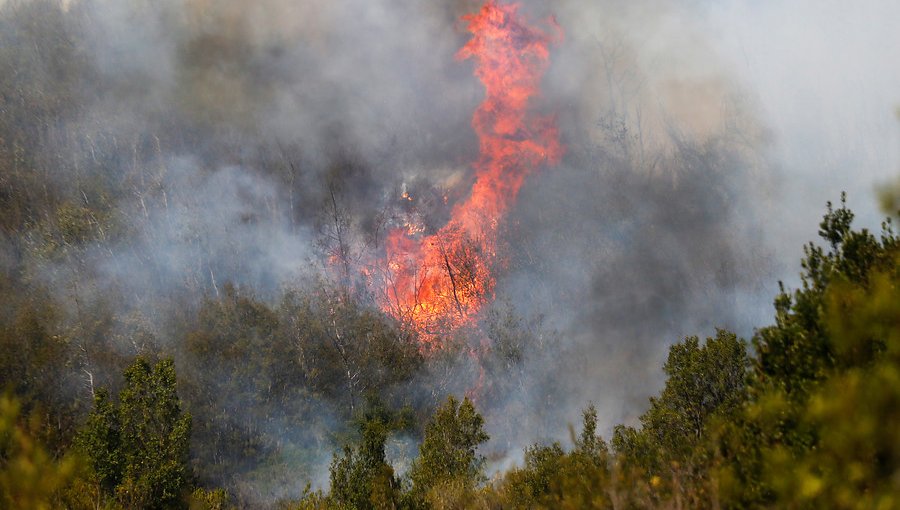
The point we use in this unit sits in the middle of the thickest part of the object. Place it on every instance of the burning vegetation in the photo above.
(439, 282)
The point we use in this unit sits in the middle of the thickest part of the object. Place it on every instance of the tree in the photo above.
(552, 478)
(589, 444)
(702, 380)
(796, 353)
(155, 436)
(854, 413)
(99, 440)
(671, 453)
(361, 478)
(29, 475)
(35, 359)
(360, 481)
(820, 396)
(139, 448)
(448, 451)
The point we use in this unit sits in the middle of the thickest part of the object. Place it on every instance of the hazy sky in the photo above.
(825, 75)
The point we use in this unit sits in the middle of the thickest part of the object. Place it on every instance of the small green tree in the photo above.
(99, 441)
(589, 444)
(552, 478)
(702, 380)
(139, 448)
(361, 478)
(448, 451)
(155, 436)
(670, 454)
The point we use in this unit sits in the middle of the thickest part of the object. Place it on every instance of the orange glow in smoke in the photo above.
(438, 283)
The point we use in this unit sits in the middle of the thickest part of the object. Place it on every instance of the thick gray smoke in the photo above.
(703, 139)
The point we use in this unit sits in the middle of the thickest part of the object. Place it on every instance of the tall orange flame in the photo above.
(439, 282)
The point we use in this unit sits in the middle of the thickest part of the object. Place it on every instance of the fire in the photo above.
(438, 283)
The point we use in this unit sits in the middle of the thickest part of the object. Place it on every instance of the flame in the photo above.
(438, 283)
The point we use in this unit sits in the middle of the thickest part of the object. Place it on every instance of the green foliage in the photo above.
(797, 352)
(448, 453)
(139, 448)
(589, 444)
(72, 227)
(30, 477)
(281, 365)
(889, 198)
(36, 359)
(542, 466)
(100, 441)
(216, 499)
(702, 381)
(853, 413)
(669, 460)
(155, 437)
(553, 478)
(727, 430)
(813, 370)
(361, 478)
(813, 426)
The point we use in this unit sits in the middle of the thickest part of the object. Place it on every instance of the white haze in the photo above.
(825, 76)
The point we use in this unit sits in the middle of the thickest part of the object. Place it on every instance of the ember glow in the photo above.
(439, 282)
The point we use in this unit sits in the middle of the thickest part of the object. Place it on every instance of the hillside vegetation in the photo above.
(152, 357)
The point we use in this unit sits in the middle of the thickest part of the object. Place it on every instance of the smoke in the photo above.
(649, 230)
(702, 141)
(824, 82)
